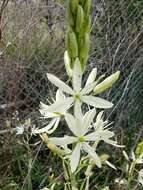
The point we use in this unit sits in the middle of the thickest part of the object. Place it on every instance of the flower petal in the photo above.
(55, 126)
(75, 157)
(88, 119)
(140, 177)
(92, 136)
(72, 124)
(59, 95)
(88, 88)
(92, 153)
(45, 129)
(62, 140)
(96, 102)
(61, 106)
(110, 165)
(77, 76)
(43, 110)
(114, 143)
(77, 109)
(99, 121)
(92, 76)
(60, 84)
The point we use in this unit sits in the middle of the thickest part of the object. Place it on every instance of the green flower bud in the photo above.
(85, 45)
(139, 149)
(72, 45)
(83, 62)
(79, 18)
(74, 5)
(67, 62)
(87, 6)
(104, 157)
(82, 2)
(70, 17)
(87, 25)
(107, 83)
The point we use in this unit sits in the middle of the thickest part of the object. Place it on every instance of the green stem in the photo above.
(88, 171)
(131, 170)
(73, 182)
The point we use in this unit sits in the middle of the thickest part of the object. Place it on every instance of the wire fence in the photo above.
(33, 44)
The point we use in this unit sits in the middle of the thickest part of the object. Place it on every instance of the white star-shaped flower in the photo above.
(78, 95)
(55, 116)
(101, 129)
(20, 130)
(82, 138)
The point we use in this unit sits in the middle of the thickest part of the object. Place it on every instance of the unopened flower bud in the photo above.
(67, 62)
(82, 2)
(79, 18)
(85, 46)
(87, 6)
(107, 83)
(70, 17)
(44, 137)
(104, 157)
(72, 45)
(139, 149)
(87, 24)
(74, 5)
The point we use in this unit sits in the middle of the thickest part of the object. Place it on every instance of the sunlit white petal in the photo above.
(92, 76)
(61, 106)
(45, 129)
(110, 165)
(92, 136)
(92, 153)
(105, 134)
(88, 119)
(62, 140)
(77, 109)
(96, 102)
(77, 75)
(140, 177)
(55, 126)
(114, 143)
(59, 95)
(72, 124)
(88, 88)
(60, 84)
(75, 157)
